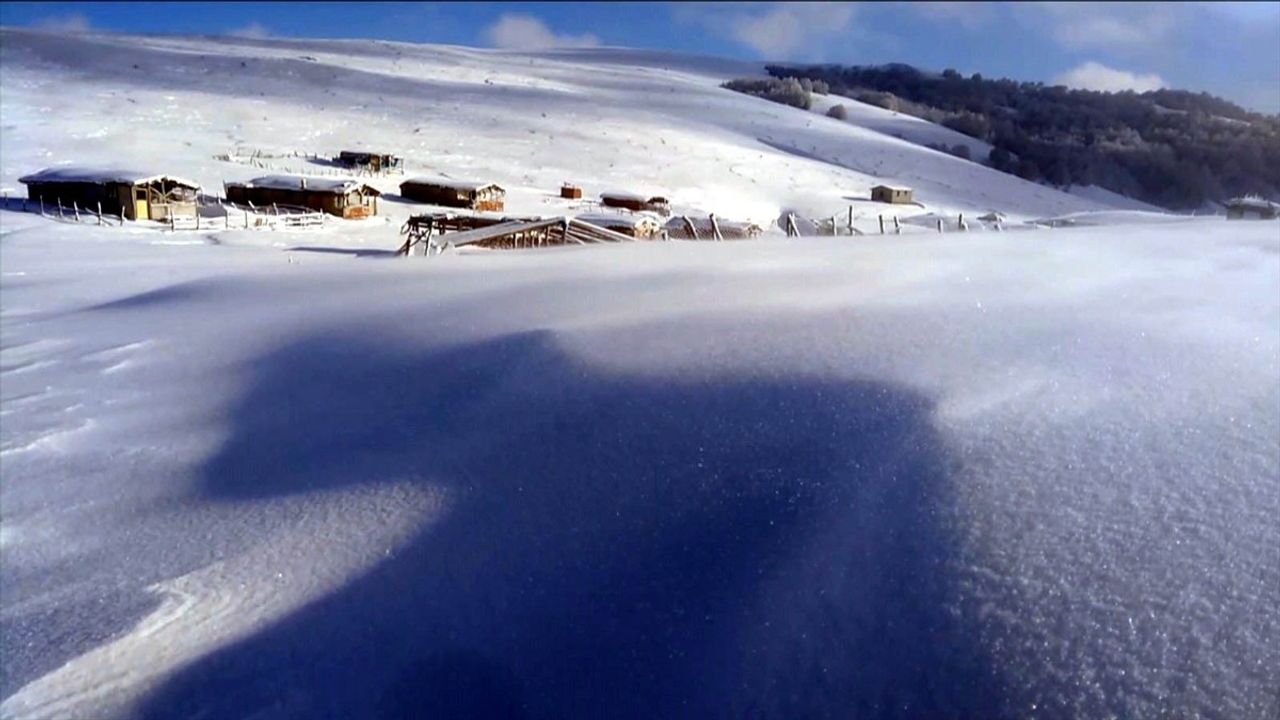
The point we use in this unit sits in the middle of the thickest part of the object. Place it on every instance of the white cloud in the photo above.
(775, 31)
(1096, 76)
(525, 32)
(1118, 26)
(65, 24)
(252, 31)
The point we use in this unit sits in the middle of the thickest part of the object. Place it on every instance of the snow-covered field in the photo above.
(282, 474)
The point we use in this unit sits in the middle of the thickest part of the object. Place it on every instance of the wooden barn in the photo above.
(449, 192)
(1252, 207)
(637, 202)
(373, 162)
(344, 198)
(893, 194)
(131, 194)
(639, 225)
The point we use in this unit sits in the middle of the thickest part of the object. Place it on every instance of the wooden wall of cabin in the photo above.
(86, 196)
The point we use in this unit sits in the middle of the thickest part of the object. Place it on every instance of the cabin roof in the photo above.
(899, 188)
(605, 219)
(100, 176)
(1252, 201)
(451, 183)
(632, 196)
(339, 186)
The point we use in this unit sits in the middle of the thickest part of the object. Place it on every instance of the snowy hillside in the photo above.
(281, 474)
(527, 122)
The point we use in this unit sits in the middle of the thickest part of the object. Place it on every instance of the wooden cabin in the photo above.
(570, 192)
(893, 194)
(1252, 207)
(373, 162)
(454, 193)
(636, 202)
(344, 198)
(640, 226)
(131, 194)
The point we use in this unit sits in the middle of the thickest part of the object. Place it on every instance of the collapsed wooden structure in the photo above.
(454, 193)
(710, 228)
(636, 225)
(344, 198)
(128, 194)
(432, 233)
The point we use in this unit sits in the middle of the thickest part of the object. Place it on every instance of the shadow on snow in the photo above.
(613, 547)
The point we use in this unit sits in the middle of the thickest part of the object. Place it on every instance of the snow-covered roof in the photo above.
(625, 195)
(1253, 201)
(99, 175)
(607, 219)
(340, 186)
(453, 183)
(896, 188)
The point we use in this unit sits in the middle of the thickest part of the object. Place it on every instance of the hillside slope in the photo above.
(528, 122)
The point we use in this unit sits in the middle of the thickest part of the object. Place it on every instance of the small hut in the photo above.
(133, 194)
(372, 162)
(1252, 207)
(570, 192)
(894, 194)
(345, 198)
(638, 225)
(637, 202)
(454, 193)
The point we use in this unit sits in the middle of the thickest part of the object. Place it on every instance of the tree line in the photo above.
(1172, 148)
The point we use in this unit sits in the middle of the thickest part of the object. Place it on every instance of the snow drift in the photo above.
(282, 474)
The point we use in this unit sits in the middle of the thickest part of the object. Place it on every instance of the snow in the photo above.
(283, 474)
(1104, 196)
(98, 176)
(295, 182)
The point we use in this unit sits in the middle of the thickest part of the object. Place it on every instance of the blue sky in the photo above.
(1228, 49)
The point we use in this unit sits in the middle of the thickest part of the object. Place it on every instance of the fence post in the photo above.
(939, 224)
(850, 219)
(59, 208)
(41, 206)
(897, 228)
(75, 206)
(881, 223)
(99, 213)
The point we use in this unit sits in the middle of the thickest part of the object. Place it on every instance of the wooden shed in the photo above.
(635, 201)
(895, 194)
(639, 225)
(374, 162)
(343, 197)
(132, 194)
(1252, 207)
(454, 193)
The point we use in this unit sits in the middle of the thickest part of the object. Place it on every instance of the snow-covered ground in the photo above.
(282, 474)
